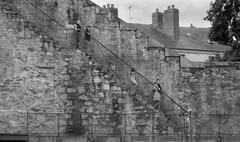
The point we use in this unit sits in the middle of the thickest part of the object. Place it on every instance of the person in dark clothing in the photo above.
(77, 27)
(87, 34)
(87, 39)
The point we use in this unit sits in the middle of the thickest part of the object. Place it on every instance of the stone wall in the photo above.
(122, 38)
(30, 78)
(47, 75)
(211, 91)
(75, 83)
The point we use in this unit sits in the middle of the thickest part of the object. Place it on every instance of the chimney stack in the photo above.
(171, 22)
(111, 11)
(157, 19)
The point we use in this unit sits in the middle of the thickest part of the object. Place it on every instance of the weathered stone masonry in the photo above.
(57, 79)
(211, 91)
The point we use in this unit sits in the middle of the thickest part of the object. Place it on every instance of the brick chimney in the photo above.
(157, 19)
(171, 22)
(111, 11)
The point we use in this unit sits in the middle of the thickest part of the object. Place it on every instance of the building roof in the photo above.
(191, 39)
(155, 43)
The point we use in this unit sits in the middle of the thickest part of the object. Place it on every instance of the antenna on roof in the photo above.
(129, 13)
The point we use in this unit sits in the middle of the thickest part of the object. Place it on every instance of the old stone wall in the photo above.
(43, 72)
(70, 82)
(211, 91)
(31, 80)
(122, 38)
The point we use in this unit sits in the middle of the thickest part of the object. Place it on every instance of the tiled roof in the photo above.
(192, 39)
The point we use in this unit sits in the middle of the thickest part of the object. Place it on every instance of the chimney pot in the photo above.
(108, 5)
(169, 7)
(112, 5)
(173, 6)
(157, 10)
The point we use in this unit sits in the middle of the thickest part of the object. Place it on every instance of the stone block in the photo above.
(88, 103)
(68, 83)
(90, 109)
(83, 97)
(66, 77)
(96, 99)
(85, 116)
(69, 103)
(81, 89)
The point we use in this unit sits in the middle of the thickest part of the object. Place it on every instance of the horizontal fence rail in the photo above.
(147, 123)
(94, 124)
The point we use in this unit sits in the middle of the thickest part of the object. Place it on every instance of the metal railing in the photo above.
(200, 126)
(56, 124)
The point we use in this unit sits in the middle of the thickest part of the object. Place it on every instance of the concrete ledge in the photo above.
(13, 137)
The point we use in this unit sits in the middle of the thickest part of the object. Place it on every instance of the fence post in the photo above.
(153, 123)
(218, 121)
(27, 123)
(125, 124)
(92, 127)
(153, 126)
(58, 124)
(218, 126)
(190, 125)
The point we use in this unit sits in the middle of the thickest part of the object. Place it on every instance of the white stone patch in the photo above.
(38, 85)
(189, 34)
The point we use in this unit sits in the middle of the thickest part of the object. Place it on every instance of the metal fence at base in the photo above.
(147, 124)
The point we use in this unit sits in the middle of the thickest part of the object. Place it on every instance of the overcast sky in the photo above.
(191, 11)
